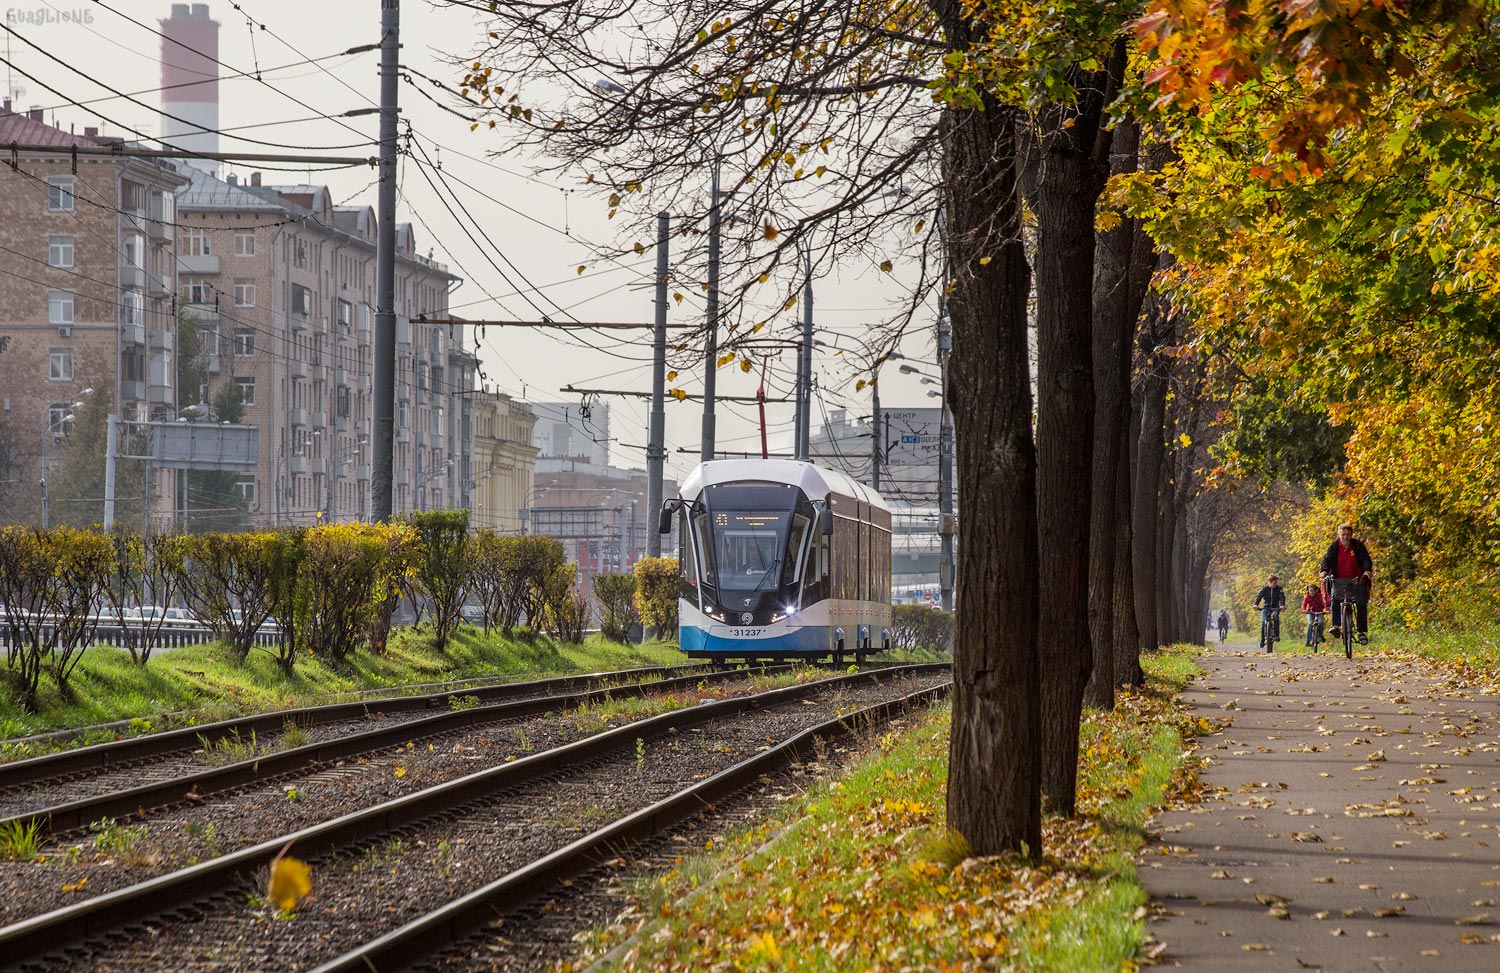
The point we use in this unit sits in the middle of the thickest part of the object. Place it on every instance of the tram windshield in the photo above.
(751, 538)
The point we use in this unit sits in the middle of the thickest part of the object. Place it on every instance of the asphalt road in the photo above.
(1349, 820)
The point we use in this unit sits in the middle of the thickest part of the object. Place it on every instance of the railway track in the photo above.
(153, 782)
(525, 825)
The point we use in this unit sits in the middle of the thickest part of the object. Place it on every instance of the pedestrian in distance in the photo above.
(1347, 557)
(1270, 602)
(1313, 606)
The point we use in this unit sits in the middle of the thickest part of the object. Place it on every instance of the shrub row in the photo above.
(920, 627)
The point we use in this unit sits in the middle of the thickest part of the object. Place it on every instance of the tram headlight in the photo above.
(785, 613)
(715, 613)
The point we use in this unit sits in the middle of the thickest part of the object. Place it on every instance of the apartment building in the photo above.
(87, 277)
(283, 281)
(504, 461)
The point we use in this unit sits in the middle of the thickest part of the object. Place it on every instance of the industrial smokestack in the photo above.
(190, 81)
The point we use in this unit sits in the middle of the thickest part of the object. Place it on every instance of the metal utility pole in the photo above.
(111, 446)
(804, 365)
(656, 448)
(711, 345)
(945, 464)
(875, 435)
(383, 442)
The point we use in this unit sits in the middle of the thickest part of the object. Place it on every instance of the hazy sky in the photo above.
(542, 228)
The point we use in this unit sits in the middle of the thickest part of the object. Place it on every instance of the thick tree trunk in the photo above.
(1114, 324)
(1127, 650)
(1065, 172)
(993, 769)
(1145, 506)
(1166, 549)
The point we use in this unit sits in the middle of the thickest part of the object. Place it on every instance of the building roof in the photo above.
(27, 128)
(210, 192)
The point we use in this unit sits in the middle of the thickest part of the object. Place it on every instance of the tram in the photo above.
(780, 559)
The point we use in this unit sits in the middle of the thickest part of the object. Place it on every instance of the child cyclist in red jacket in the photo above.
(1314, 606)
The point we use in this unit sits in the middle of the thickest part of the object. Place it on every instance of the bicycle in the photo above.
(1342, 590)
(1315, 630)
(1270, 627)
(1223, 633)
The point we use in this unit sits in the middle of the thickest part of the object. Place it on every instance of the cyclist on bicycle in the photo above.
(1223, 624)
(1313, 606)
(1347, 557)
(1270, 601)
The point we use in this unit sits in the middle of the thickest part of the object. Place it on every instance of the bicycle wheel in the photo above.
(1265, 633)
(1348, 630)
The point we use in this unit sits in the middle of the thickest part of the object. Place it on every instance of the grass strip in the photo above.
(860, 873)
(203, 683)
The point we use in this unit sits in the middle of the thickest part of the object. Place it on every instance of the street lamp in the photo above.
(54, 426)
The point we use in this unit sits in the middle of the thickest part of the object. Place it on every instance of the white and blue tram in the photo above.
(781, 559)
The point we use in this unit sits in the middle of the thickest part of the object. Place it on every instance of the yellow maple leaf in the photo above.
(887, 266)
(678, 394)
(1186, 440)
(671, 376)
(400, 771)
(746, 364)
(291, 880)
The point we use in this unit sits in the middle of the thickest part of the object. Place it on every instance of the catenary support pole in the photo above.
(711, 345)
(875, 435)
(945, 465)
(804, 365)
(656, 448)
(383, 442)
(111, 447)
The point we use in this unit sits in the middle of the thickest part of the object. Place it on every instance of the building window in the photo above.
(402, 416)
(132, 308)
(301, 300)
(247, 390)
(60, 364)
(60, 251)
(244, 341)
(60, 194)
(299, 254)
(57, 413)
(244, 244)
(345, 312)
(245, 486)
(244, 294)
(198, 244)
(60, 307)
(133, 197)
(196, 290)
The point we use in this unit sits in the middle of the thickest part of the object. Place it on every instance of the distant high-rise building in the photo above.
(190, 82)
(570, 433)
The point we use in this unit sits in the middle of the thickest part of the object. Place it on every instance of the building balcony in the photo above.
(133, 334)
(132, 278)
(132, 389)
(319, 420)
(298, 369)
(319, 325)
(317, 373)
(362, 472)
(161, 340)
(299, 322)
(161, 395)
(156, 286)
(200, 264)
(215, 364)
(363, 320)
(298, 417)
(203, 313)
(403, 331)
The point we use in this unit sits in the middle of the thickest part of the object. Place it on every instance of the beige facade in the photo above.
(87, 274)
(286, 281)
(504, 461)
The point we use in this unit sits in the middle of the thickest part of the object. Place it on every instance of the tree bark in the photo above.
(1065, 172)
(1127, 647)
(1145, 501)
(993, 769)
(1114, 323)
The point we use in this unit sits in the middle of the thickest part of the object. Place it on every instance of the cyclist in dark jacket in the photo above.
(1271, 599)
(1347, 557)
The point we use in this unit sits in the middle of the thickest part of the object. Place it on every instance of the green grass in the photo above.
(1478, 647)
(200, 684)
(860, 872)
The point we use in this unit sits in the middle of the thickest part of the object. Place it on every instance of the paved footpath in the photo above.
(1351, 820)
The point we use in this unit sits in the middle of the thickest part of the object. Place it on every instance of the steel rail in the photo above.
(136, 800)
(68, 926)
(419, 939)
(67, 763)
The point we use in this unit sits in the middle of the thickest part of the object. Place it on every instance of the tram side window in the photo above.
(685, 558)
(705, 549)
(846, 582)
(791, 562)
